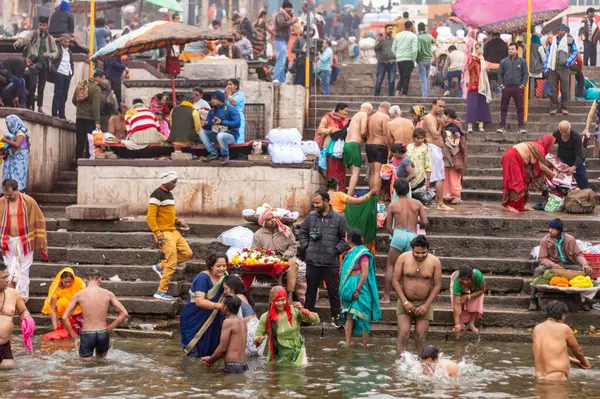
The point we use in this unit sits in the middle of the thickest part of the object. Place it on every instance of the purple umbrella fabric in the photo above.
(506, 16)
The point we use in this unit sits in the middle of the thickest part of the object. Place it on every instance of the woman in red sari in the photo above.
(333, 122)
(522, 165)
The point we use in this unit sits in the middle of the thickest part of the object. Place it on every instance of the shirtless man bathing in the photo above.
(94, 302)
(401, 129)
(232, 346)
(417, 281)
(403, 215)
(435, 142)
(11, 301)
(551, 341)
(378, 145)
(357, 134)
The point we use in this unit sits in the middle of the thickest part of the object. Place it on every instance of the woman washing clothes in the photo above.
(60, 294)
(358, 289)
(467, 287)
(455, 157)
(280, 328)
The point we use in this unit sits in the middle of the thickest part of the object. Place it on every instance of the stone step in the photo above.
(40, 286)
(130, 273)
(493, 161)
(147, 306)
(55, 198)
(67, 187)
(497, 172)
(496, 183)
(492, 316)
(101, 239)
(67, 175)
(104, 256)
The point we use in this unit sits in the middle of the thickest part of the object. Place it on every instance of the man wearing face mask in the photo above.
(417, 281)
(323, 237)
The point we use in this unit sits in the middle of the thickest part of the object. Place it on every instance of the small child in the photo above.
(163, 125)
(234, 333)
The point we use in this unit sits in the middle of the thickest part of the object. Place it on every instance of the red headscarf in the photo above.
(276, 293)
(543, 145)
(267, 214)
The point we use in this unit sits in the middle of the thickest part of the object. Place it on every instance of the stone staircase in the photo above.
(64, 194)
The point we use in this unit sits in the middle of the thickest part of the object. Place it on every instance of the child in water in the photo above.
(431, 363)
(232, 347)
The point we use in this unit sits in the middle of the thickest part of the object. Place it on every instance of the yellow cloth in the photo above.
(63, 295)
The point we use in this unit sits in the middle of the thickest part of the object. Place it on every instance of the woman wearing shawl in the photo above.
(237, 99)
(60, 294)
(358, 289)
(16, 156)
(333, 122)
(259, 41)
(280, 327)
(455, 157)
(522, 166)
(201, 316)
(478, 91)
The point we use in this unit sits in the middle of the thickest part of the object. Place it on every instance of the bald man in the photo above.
(400, 128)
(378, 145)
(571, 152)
(357, 134)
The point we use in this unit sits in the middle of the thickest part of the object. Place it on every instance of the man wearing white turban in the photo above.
(162, 221)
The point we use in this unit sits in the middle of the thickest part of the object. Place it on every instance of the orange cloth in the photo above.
(452, 183)
(63, 295)
(338, 201)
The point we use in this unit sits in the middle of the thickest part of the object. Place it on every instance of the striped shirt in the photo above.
(161, 211)
(140, 118)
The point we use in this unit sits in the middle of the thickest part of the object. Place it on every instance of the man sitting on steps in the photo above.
(558, 251)
(221, 126)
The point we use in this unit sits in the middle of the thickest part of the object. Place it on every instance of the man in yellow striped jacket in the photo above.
(162, 221)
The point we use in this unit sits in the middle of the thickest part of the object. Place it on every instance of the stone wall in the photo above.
(216, 69)
(201, 190)
(52, 147)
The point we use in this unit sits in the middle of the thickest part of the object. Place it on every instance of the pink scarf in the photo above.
(27, 329)
(267, 215)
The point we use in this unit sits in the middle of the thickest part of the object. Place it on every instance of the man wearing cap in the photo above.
(558, 251)
(589, 31)
(185, 122)
(277, 237)
(561, 53)
(221, 126)
(162, 221)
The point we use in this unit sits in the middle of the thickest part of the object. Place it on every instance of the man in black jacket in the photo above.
(323, 237)
(570, 151)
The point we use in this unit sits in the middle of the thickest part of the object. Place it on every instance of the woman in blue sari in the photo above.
(16, 158)
(201, 316)
(237, 99)
(358, 289)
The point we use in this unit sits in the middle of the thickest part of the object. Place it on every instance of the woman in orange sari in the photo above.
(332, 123)
(61, 292)
(522, 165)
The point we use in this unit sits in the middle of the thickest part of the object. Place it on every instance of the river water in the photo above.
(151, 368)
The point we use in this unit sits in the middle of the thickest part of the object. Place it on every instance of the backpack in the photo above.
(82, 91)
(536, 64)
(581, 201)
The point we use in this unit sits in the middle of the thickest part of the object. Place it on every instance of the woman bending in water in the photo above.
(280, 327)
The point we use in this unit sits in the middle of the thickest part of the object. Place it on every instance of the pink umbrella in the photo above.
(506, 16)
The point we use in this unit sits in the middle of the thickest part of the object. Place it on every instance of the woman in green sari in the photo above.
(280, 326)
(358, 289)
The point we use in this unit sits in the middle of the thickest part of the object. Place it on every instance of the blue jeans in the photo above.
(335, 72)
(209, 139)
(61, 92)
(424, 68)
(580, 174)
(325, 80)
(281, 47)
(382, 69)
(16, 87)
(454, 74)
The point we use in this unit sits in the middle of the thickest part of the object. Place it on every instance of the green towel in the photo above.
(364, 217)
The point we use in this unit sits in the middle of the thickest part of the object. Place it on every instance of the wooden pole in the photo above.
(527, 58)
(92, 33)
(230, 23)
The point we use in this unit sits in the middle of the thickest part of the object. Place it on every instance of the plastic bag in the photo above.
(284, 136)
(338, 149)
(387, 170)
(310, 148)
(286, 153)
(238, 237)
(535, 253)
(96, 138)
(426, 196)
(554, 204)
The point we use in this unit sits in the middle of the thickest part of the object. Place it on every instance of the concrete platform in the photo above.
(96, 212)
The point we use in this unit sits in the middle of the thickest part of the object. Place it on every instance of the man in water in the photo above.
(12, 302)
(94, 302)
(435, 142)
(551, 339)
(400, 128)
(232, 346)
(378, 144)
(430, 362)
(23, 234)
(417, 281)
(403, 215)
(357, 133)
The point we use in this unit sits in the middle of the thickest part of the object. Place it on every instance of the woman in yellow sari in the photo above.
(60, 294)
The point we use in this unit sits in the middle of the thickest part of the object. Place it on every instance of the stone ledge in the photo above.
(96, 212)
(179, 83)
(36, 117)
(198, 163)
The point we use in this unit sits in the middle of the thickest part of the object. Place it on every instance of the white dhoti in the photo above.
(18, 265)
